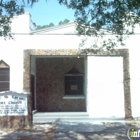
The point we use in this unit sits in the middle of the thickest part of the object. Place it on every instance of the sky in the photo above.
(46, 11)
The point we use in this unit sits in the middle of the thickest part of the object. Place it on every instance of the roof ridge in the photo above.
(54, 27)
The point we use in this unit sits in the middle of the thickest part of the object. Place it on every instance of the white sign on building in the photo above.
(13, 104)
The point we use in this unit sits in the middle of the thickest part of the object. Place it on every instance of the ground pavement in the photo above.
(94, 132)
(72, 131)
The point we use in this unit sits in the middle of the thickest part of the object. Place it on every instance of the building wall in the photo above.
(98, 70)
(105, 87)
(50, 86)
(14, 58)
(134, 50)
(22, 24)
(12, 52)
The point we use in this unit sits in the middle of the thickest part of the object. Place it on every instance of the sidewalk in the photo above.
(71, 131)
(38, 132)
(89, 131)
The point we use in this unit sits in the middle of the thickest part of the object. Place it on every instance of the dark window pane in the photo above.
(80, 87)
(4, 86)
(4, 74)
(80, 78)
(67, 93)
(67, 77)
(67, 90)
(74, 82)
(4, 71)
(73, 92)
(80, 92)
(80, 82)
(4, 89)
(67, 86)
(74, 78)
(67, 83)
(4, 77)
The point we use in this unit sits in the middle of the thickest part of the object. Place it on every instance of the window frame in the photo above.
(74, 96)
(5, 81)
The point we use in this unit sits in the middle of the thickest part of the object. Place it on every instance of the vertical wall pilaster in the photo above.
(126, 81)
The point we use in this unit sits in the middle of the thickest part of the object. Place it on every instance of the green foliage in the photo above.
(8, 9)
(64, 22)
(97, 18)
(45, 26)
(114, 16)
(51, 24)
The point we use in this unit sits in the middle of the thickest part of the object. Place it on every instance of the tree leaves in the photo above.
(99, 18)
(116, 16)
(8, 9)
(63, 22)
(45, 26)
(51, 24)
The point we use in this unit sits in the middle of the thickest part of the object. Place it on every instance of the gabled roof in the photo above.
(64, 29)
(3, 64)
(60, 29)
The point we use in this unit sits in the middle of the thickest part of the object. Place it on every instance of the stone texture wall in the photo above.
(118, 52)
(15, 122)
(51, 87)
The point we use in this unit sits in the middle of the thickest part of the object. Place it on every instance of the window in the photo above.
(4, 76)
(74, 82)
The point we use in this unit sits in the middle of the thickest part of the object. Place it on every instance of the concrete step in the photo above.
(51, 117)
(77, 120)
(60, 114)
(43, 117)
(52, 120)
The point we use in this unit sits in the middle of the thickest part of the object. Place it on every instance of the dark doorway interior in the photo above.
(32, 91)
(51, 85)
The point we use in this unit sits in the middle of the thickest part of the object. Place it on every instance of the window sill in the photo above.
(74, 97)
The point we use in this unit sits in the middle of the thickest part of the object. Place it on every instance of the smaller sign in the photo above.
(13, 104)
